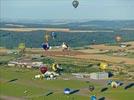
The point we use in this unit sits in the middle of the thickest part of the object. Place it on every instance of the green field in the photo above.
(36, 88)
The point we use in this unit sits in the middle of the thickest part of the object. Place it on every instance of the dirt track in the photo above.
(107, 58)
(87, 56)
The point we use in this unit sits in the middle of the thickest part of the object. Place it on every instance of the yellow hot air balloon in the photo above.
(21, 46)
(54, 67)
(46, 38)
(103, 66)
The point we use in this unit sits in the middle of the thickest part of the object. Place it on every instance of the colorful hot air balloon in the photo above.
(75, 3)
(43, 69)
(45, 46)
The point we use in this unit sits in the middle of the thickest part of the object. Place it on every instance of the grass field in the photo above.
(36, 88)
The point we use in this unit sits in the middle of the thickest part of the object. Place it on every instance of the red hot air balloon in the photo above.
(43, 69)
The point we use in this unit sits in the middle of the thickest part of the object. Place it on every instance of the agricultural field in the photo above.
(28, 88)
(66, 50)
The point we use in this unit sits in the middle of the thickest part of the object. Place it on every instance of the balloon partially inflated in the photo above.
(75, 3)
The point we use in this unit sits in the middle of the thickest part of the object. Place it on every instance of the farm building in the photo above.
(99, 75)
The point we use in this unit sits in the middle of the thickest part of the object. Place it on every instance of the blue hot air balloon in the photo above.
(45, 46)
(53, 34)
(93, 98)
(67, 91)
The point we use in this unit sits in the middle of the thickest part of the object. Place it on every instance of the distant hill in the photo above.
(34, 39)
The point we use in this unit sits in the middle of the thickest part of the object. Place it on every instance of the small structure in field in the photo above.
(25, 64)
(80, 75)
(12, 52)
(99, 75)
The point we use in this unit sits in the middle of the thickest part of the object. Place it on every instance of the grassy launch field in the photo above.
(36, 89)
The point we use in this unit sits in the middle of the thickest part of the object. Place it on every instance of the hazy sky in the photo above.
(62, 9)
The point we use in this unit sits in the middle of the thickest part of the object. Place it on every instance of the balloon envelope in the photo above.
(54, 67)
(45, 46)
(103, 66)
(67, 91)
(46, 37)
(43, 70)
(64, 46)
(75, 3)
(93, 98)
(91, 88)
(114, 84)
(118, 38)
(21, 46)
(53, 34)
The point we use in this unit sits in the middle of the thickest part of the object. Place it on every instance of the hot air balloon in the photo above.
(91, 88)
(45, 46)
(46, 37)
(22, 47)
(64, 46)
(67, 91)
(114, 84)
(43, 69)
(53, 34)
(118, 38)
(93, 97)
(75, 3)
(54, 67)
(103, 66)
